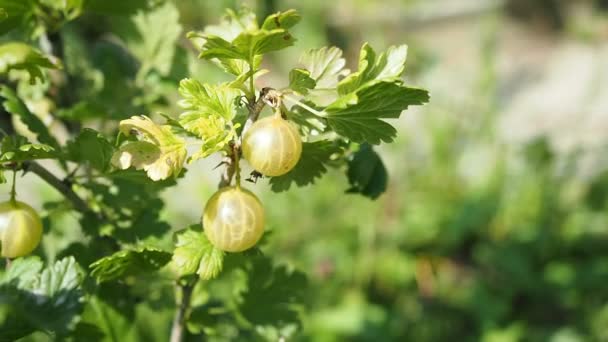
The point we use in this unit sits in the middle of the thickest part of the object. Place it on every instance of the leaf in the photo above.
(23, 272)
(155, 38)
(325, 65)
(250, 41)
(388, 65)
(284, 20)
(128, 263)
(366, 173)
(159, 152)
(15, 106)
(300, 81)
(195, 254)
(17, 13)
(311, 166)
(210, 110)
(206, 99)
(20, 56)
(50, 300)
(17, 149)
(272, 294)
(357, 116)
(91, 147)
(233, 23)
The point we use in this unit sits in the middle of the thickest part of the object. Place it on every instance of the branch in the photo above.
(64, 188)
(177, 330)
(268, 96)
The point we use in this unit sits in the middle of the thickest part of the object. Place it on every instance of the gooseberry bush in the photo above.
(75, 115)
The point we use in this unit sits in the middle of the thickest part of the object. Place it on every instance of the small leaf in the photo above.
(300, 81)
(246, 42)
(17, 149)
(284, 20)
(311, 166)
(20, 56)
(357, 115)
(91, 147)
(272, 295)
(18, 13)
(325, 65)
(50, 300)
(23, 272)
(15, 106)
(159, 152)
(233, 23)
(129, 263)
(154, 40)
(195, 254)
(366, 173)
(210, 110)
(388, 65)
(206, 100)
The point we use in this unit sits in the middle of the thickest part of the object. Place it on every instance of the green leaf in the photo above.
(158, 151)
(300, 81)
(366, 173)
(17, 13)
(23, 272)
(210, 110)
(128, 263)
(233, 23)
(273, 294)
(325, 65)
(91, 147)
(250, 41)
(155, 38)
(207, 100)
(15, 106)
(195, 254)
(387, 66)
(284, 20)
(311, 166)
(50, 300)
(357, 115)
(17, 149)
(20, 56)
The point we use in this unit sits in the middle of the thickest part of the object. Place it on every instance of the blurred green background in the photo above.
(495, 223)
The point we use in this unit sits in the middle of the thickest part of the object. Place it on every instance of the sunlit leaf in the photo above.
(357, 116)
(194, 254)
(158, 151)
(386, 66)
(129, 262)
(311, 166)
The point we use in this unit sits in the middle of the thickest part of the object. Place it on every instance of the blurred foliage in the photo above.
(473, 240)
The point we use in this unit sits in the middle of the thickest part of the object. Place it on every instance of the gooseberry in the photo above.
(233, 219)
(272, 146)
(20, 229)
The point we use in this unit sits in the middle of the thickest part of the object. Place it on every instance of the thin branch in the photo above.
(177, 330)
(268, 96)
(63, 187)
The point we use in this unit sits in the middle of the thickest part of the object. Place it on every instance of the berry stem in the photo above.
(14, 188)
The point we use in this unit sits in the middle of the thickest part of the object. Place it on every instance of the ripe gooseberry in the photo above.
(272, 146)
(20, 229)
(233, 219)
